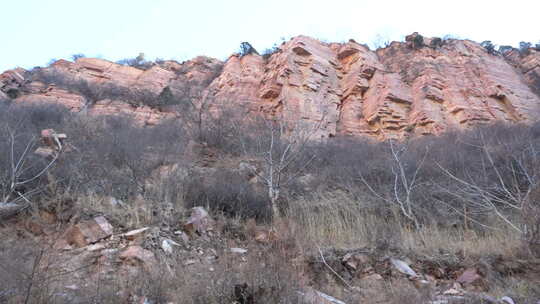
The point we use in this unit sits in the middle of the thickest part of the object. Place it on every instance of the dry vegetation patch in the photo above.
(460, 209)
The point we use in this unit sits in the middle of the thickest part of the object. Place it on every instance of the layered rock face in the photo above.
(529, 64)
(418, 87)
(458, 84)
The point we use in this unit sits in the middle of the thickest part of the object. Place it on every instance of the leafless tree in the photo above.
(20, 172)
(406, 180)
(511, 193)
(283, 151)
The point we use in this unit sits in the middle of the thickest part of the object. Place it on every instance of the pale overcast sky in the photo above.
(35, 31)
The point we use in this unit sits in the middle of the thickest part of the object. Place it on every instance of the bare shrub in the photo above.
(227, 192)
(503, 174)
(22, 172)
(524, 48)
(100, 156)
(138, 62)
(247, 49)
(489, 47)
(77, 56)
(436, 42)
(498, 159)
(267, 53)
(107, 161)
(392, 176)
(503, 49)
(406, 180)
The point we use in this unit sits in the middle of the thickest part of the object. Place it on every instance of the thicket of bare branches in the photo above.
(108, 155)
(480, 179)
(21, 171)
(283, 150)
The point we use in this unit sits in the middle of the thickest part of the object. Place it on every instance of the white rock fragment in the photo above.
(167, 244)
(95, 247)
(239, 250)
(403, 267)
(313, 296)
(72, 287)
(507, 300)
(452, 292)
(133, 234)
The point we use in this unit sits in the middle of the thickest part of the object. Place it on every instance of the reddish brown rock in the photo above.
(142, 114)
(530, 66)
(405, 89)
(11, 82)
(47, 137)
(51, 139)
(237, 85)
(34, 226)
(459, 85)
(99, 70)
(88, 232)
(304, 83)
(417, 87)
(136, 255)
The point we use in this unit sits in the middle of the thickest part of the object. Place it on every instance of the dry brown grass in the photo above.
(338, 221)
(132, 214)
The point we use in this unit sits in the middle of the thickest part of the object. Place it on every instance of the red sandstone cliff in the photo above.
(407, 88)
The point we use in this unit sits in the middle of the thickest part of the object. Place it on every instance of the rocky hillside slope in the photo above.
(420, 86)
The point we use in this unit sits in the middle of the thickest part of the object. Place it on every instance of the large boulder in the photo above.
(87, 232)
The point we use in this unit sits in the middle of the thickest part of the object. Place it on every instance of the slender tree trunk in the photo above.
(274, 196)
(199, 127)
